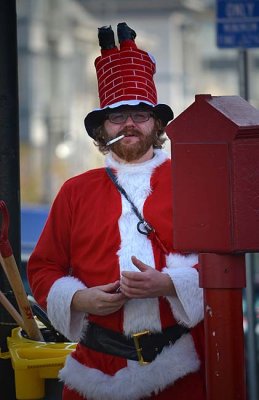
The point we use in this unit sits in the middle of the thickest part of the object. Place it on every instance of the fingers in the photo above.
(137, 276)
(99, 300)
(109, 287)
(139, 264)
(133, 292)
(143, 284)
(133, 283)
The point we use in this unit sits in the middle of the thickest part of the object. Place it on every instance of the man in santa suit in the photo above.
(105, 268)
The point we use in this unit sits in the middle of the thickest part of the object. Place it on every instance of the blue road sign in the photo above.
(238, 23)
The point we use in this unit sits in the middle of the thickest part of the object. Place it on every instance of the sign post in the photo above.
(238, 27)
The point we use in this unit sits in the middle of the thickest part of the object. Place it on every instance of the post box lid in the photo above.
(223, 117)
(235, 108)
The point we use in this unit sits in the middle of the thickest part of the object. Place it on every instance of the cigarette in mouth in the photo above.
(115, 140)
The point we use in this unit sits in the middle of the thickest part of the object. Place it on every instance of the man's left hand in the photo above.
(147, 283)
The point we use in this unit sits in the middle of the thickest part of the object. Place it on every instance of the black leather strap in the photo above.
(110, 342)
(143, 226)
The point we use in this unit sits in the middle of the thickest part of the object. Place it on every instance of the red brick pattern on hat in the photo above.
(124, 75)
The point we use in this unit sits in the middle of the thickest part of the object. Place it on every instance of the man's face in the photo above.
(139, 136)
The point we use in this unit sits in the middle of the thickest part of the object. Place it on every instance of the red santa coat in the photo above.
(88, 240)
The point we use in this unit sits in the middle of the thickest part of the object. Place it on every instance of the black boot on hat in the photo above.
(106, 37)
(124, 32)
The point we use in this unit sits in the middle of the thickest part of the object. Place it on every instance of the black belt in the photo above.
(143, 346)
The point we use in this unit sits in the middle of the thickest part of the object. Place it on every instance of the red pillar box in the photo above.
(215, 152)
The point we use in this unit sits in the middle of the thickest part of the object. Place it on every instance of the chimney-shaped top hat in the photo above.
(125, 77)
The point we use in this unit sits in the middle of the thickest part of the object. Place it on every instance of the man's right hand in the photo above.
(99, 300)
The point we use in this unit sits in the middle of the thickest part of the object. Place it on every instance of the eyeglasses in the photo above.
(136, 116)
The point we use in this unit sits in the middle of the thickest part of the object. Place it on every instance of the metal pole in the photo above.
(250, 265)
(9, 122)
(243, 74)
(251, 324)
(9, 165)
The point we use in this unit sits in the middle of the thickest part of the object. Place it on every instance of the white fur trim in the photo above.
(69, 323)
(179, 260)
(152, 58)
(134, 381)
(139, 314)
(187, 307)
(125, 103)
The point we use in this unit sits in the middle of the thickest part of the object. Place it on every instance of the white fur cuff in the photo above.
(187, 307)
(69, 323)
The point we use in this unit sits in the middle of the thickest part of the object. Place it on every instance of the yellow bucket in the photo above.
(33, 362)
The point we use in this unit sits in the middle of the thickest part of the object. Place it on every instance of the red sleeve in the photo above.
(50, 259)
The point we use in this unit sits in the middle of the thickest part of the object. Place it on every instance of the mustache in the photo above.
(120, 136)
(129, 132)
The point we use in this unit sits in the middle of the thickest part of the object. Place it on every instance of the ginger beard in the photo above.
(132, 151)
